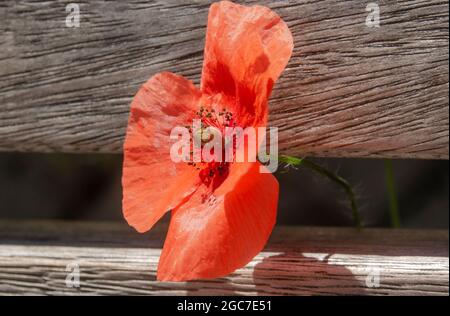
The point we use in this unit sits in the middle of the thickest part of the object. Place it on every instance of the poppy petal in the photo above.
(211, 235)
(246, 50)
(152, 183)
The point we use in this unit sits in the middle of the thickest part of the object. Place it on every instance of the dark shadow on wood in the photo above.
(295, 274)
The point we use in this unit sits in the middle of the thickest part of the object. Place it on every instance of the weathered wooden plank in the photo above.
(297, 261)
(349, 90)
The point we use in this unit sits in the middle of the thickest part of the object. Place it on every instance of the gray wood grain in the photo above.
(349, 90)
(115, 260)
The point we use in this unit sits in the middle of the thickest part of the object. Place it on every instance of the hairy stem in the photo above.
(293, 161)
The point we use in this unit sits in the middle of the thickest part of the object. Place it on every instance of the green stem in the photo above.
(393, 203)
(331, 176)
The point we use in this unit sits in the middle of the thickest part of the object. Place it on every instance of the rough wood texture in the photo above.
(349, 90)
(113, 259)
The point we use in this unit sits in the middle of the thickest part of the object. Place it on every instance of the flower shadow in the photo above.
(288, 273)
(294, 273)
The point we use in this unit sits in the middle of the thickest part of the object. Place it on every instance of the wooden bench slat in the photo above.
(349, 90)
(113, 259)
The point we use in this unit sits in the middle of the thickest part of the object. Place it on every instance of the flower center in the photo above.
(220, 120)
(212, 127)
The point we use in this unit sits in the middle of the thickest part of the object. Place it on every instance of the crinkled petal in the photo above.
(152, 183)
(246, 50)
(211, 235)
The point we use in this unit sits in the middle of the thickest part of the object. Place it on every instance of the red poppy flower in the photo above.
(221, 221)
